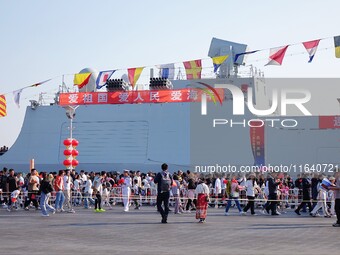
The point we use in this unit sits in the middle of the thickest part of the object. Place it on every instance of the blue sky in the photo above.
(45, 39)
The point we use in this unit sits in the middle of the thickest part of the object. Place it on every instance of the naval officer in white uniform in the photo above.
(126, 190)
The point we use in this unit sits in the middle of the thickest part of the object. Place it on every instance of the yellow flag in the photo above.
(219, 60)
(81, 79)
(134, 74)
(3, 104)
(337, 46)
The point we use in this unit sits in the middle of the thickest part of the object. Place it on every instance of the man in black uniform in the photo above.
(305, 195)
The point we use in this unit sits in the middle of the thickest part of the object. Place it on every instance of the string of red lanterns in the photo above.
(71, 153)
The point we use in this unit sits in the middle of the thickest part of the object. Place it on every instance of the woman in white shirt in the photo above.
(88, 191)
(251, 187)
(202, 194)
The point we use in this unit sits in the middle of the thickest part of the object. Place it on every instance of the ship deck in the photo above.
(139, 232)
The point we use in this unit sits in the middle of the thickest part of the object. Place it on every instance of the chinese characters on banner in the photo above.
(134, 97)
(257, 142)
(329, 122)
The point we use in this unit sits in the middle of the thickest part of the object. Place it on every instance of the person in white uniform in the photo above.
(126, 190)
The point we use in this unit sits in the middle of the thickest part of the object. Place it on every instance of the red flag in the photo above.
(276, 55)
(311, 48)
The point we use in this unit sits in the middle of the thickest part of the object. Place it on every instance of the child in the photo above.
(175, 188)
(13, 201)
(106, 195)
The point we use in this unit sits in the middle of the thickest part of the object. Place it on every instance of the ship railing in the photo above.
(286, 198)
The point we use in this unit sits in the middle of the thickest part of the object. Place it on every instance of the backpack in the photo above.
(165, 182)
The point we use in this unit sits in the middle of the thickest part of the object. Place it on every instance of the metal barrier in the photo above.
(286, 198)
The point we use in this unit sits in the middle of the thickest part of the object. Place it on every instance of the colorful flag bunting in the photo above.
(134, 74)
(167, 71)
(16, 95)
(81, 79)
(39, 83)
(243, 53)
(193, 69)
(337, 46)
(3, 111)
(276, 55)
(218, 61)
(311, 48)
(103, 76)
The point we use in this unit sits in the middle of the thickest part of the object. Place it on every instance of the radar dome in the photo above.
(125, 78)
(91, 86)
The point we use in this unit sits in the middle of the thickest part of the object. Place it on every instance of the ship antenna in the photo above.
(179, 74)
(62, 84)
(64, 88)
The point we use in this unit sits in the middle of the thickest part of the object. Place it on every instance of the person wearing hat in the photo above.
(126, 189)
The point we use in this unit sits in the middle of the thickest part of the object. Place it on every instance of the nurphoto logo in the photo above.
(281, 97)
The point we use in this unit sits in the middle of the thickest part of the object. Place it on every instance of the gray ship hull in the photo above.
(143, 136)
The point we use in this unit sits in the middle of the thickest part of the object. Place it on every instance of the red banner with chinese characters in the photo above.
(257, 142)
(329, 122)
(136, 97)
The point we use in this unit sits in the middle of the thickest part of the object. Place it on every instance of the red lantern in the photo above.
(67, 142)
(75, 162)
(67, 152)
(75, 153)
(67, 162)
(75, 143)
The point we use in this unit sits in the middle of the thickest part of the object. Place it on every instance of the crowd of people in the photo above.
(3, 150)
(270, 193)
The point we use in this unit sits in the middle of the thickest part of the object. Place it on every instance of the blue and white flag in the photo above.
(243, 53)
(167, 71)
(103, 76)
(16, 97)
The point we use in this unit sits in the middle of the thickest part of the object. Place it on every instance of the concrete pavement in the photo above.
(140, 232)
